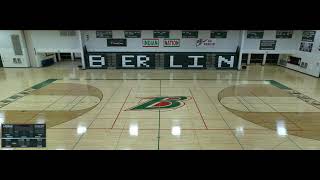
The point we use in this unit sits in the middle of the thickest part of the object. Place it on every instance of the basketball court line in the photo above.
(159, 110)
(77, 102)
(95, 117)
(146, 118)
(293, 122)
(280, 144)
(159, 122)
(240, 100)
(277, 111)
(45, 108)
(25, 92)
(98, 79)
(294, 143)
(122, 129)
(167, 129)
(223, 118)
(198, 108)
(187, 129)
(121, 108)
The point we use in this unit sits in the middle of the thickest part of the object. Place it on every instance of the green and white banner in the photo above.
(150, 42)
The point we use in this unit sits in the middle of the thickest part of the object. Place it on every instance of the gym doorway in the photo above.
(272, 59)
(70, 60)
(1, 64)
(256, 59)
(244, 58)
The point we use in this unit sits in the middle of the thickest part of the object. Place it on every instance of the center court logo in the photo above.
(162, 102)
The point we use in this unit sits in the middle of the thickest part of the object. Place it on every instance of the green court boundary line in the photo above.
(168, 79)
(278, 84)
(25, 92)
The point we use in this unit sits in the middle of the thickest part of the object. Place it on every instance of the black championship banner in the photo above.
(268, 44)
(117, 42)
(308, 36)
(218, 34)
(132, 34)
(255, 34)
(281, 34)
(185, 60)
(161, 34)
(189, 34)
(103, 34)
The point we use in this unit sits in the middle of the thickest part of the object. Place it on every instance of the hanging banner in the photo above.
(205, 43)
(189, 34)
(268, 44)
(218, 34)
(150, 42)
(306, 46)
(117, 42)
(255, 34)
(287, 34)
(103, 34)
(161, 34)
(308, 36)
(132, 34)
(171, 42)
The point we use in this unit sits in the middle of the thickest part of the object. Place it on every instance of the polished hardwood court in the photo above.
(262, 107)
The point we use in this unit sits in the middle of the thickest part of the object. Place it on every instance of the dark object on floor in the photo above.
(244, 67)
(47, 62)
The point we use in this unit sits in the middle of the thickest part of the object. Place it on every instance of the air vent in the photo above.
(16, 44)
(68, 33)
